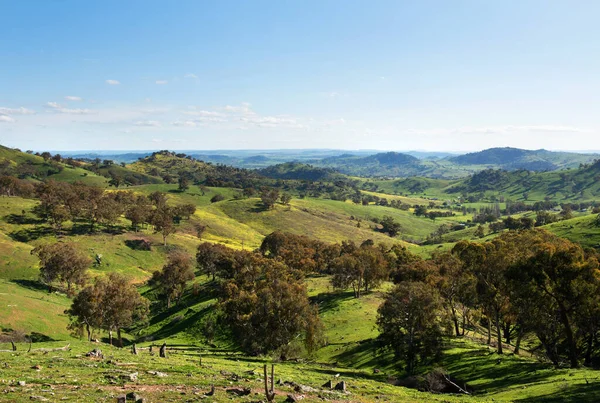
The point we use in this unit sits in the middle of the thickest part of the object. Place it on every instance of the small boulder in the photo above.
(239, 391)
(304, 389)
(328, 385)
(294, 398)
(341, 386)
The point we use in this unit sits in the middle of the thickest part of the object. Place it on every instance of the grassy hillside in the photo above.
(294, 170)
(349, 323)
(533, 160)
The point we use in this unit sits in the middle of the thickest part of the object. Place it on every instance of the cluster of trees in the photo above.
(262, 295)
(534, 282)
(109, 303)
(11, 186)
(61, 202)
(522, 283)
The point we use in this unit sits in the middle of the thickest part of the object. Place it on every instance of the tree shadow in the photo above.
(331, 301)
(138, 244)
(34, 285)
(36, 337)
(569, 394)
(259, 208)
(20, 219)
(31, 234)
(499, 374)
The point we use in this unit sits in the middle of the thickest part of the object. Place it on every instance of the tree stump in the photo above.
(134, 349)
(163, 351)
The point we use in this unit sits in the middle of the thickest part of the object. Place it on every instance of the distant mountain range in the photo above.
(371, 163)
(532, 160)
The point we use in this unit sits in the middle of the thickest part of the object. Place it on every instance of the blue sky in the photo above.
(390, 75)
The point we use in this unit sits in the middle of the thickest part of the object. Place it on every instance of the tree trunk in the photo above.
(110, 338)
(119, 337)
(455, 319)
(590, 348)
(499, 332)
(164, 240)
(570, 339)
(489, 330)
(507, 330)
(134, 349)
(519, 338)
(87, 328)
(168, 302)
(163, 350)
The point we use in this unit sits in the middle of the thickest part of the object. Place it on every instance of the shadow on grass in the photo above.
(362, 355)
(188, 322)
(569, 394)
(494, 373)
(20, 219)
(31, 234)
(34, 285)
(331, 301)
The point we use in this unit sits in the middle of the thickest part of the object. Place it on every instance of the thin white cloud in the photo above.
(73, 98)
(331, 94)
(6, 119)
(161, 82)
(190, 75)
(16, 111)
(203, 113)
(184, 123)
(148, 123)
(59, 108)
(502, 130)
(112, 82)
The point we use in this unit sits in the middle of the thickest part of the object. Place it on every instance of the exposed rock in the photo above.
(158, 373)
(341, 386)
(294, 398)
(328, 385)
(239, 391)
(95, 353)
(304, 389)
(39, 398)
(21, 383)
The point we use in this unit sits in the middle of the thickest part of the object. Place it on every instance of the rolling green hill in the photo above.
(298, 171)
(533, 160)
(242, 223)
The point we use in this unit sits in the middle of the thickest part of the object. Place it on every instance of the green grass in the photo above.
(582, 230)
(25, 307)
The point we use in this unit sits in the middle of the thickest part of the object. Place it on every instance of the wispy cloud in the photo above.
(190, 75)
(148, 123)
(61, 109)
(112, 82)
(184, 123)
(203, 113)
(16, 111)
(73, 98)
(330, 94)
(161, 82)
(507, 129)
(6, 119)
